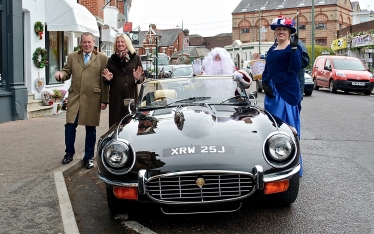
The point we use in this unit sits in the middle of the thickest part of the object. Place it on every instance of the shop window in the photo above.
(57, 47)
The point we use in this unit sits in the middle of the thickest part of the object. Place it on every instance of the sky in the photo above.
(204, 17)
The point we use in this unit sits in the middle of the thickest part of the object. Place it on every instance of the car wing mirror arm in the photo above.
(128, 102)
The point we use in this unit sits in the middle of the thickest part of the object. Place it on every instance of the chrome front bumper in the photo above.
(258, 175)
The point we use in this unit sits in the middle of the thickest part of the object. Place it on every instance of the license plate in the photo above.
(358, 83)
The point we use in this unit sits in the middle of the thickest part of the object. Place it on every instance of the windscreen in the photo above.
(208, 89)
(348, 64)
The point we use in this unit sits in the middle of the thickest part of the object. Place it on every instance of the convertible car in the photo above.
(197, 145)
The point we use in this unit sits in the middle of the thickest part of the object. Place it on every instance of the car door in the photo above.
(318, 70)
(326, 73)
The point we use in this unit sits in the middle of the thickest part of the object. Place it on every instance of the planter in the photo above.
(56, 108)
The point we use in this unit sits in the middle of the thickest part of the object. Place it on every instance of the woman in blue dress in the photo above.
(279, 79)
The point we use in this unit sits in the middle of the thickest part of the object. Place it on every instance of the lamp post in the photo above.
(259, 31)
(313, 31)
(297, 21)
(156, 58)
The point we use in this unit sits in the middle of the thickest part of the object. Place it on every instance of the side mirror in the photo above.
(327, 68)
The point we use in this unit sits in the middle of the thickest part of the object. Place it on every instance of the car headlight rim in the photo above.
(274, 155)
(116, 161)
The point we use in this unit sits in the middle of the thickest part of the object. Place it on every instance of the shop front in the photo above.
(36, 38)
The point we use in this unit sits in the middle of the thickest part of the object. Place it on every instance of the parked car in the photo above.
(308, 85)
(183, 71)
(197, 149)
(342, 73)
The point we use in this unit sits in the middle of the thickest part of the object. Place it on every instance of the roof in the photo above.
(168, 36)
(355, 5)
(254, 5)
(193, 51)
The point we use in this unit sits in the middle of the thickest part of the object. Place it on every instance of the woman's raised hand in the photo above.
(138, 73)
(107, 74)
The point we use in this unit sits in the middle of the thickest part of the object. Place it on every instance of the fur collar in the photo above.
(121, 64)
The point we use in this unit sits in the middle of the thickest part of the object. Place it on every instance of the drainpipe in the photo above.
(125, 10)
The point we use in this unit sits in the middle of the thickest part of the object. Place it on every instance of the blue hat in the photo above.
(281, 21)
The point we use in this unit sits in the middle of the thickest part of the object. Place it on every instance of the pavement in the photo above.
(33, 193)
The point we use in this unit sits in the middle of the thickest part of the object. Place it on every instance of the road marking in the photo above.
(66, 209)
(133, 224)
(138, 227)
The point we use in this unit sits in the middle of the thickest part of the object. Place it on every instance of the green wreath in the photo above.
(40, 57)
(39, 28)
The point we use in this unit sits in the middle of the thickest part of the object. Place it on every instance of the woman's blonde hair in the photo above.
(128, 43)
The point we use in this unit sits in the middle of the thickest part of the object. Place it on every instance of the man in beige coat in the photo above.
(88, 95)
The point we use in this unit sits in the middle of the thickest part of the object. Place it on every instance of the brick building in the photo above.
(252, 18)
(219, 40)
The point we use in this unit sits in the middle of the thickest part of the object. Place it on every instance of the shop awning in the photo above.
(67, 15)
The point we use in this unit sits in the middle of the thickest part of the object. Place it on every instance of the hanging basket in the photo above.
(40, 57)
(39, 29)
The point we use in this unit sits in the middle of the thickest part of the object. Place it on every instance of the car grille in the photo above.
(184, 189)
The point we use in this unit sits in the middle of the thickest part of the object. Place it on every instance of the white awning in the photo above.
(67, 15)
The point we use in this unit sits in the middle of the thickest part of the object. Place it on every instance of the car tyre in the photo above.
(308, 93)
(316, 87)
(366, 93)
(332, 87)
(117, 206)
(288, 197)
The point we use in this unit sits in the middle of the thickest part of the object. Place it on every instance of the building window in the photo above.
(107, 49)
(57, 45)
(302, 27)
(244, 30)
(321, 26)
(321, 41)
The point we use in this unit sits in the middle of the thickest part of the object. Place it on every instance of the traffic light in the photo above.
(135, 37)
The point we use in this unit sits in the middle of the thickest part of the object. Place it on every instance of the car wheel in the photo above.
(115, 205)
(366, 93)
(316, 87)
(308, 93)
(331, 87)
(288, 197)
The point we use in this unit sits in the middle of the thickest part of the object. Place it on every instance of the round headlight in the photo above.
(280, 147)
(116, 154)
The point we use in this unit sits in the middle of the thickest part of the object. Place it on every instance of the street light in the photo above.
(324, 29)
